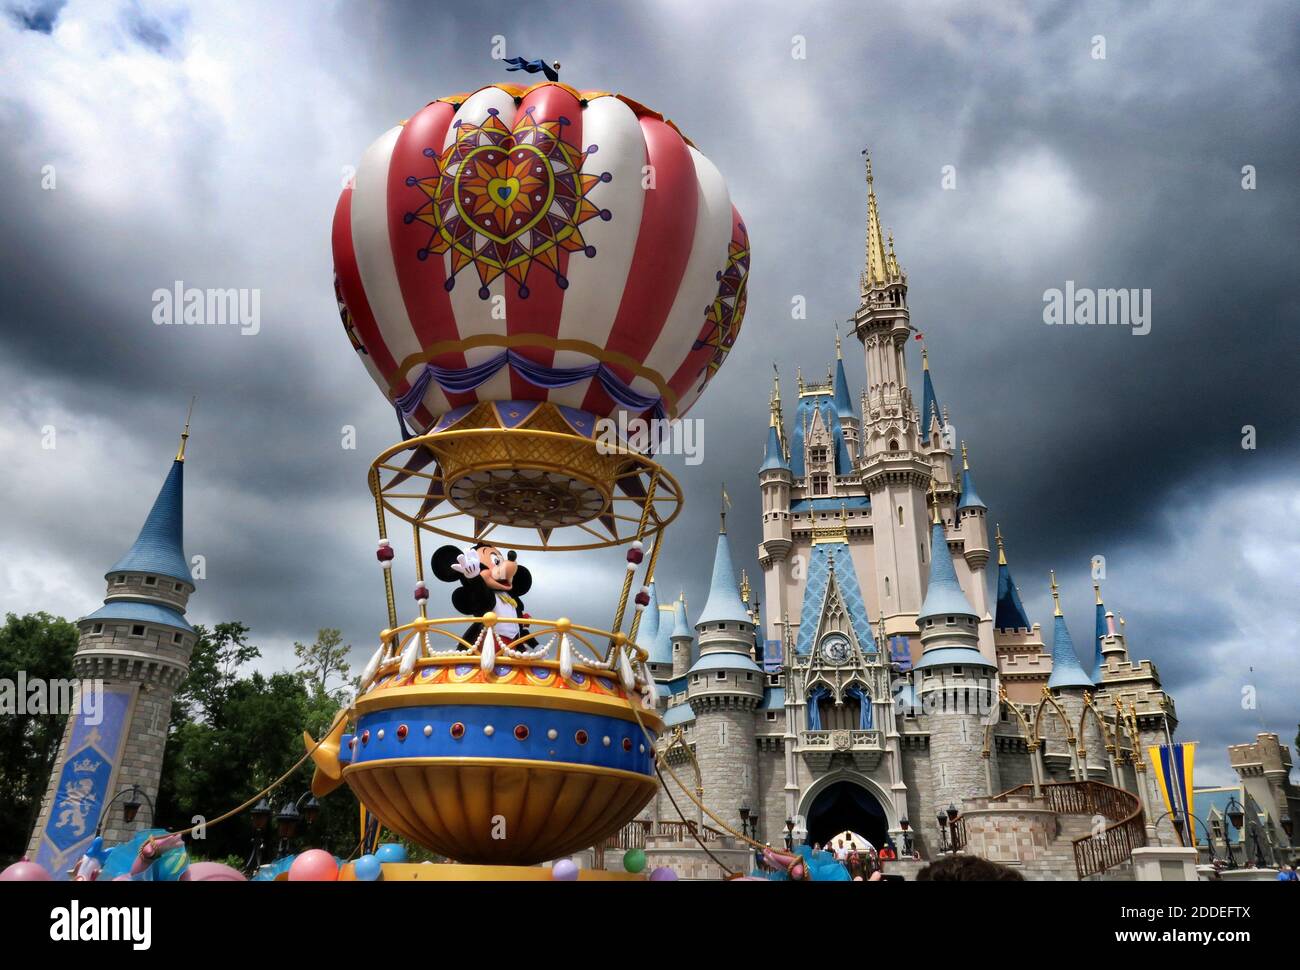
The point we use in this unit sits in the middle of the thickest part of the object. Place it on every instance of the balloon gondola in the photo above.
(522, 271)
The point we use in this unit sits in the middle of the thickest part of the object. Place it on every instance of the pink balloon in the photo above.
(214, 872)
(314, 865)
(25, 872)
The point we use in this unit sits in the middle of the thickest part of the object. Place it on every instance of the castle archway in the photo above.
(843, 801)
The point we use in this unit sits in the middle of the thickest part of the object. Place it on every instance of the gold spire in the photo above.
(180, 452)
(838, 354)
(1096, 588)
(744, 587)
(775, 404)
(1056, 596)
(876, 272)
(894, 271)
(1002, 553)
(965, 464)
(934, 502)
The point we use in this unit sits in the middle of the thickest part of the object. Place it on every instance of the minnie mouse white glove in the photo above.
(467, 565)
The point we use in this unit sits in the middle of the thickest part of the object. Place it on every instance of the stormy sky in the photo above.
(145, 143)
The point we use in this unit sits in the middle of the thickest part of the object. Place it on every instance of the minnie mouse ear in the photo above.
(442, 561)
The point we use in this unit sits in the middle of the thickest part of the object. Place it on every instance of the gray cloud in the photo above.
(209, 146)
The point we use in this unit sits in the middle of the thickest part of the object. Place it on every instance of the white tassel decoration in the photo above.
(489, 652)
(368, 673)
(566, 657)
(408, 657)
(625, 671)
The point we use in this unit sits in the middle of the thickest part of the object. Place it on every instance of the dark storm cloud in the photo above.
(1122, 172)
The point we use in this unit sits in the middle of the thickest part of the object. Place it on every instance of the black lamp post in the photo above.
(942, 819)
(952, 814)
(789, 835)
(747, 828)
(130, 808)
(905, 825)
(261, 814)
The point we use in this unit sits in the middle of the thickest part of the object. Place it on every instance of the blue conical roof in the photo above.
(969, 498)
(1096, 641)
(662, 651)
(943, 597)
(843, 403)
(774, 456)
(681, 625)
(929, 403)
(1011, 613)
(648, 629)
(158, 549)
(724, 603)
(1066, 669)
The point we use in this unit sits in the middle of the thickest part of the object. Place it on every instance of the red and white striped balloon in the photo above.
(572, 228)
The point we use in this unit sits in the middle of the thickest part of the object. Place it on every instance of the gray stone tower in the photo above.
(132, 655)
(956, 684)
(724, 689)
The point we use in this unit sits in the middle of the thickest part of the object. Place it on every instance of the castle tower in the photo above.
(956, 684)
(893, 468)
(1099, 636)
(844, 406)
(1068, 683)
(133, 653)
(774, 482)
(683, 639)
(971, 516)
(724, 689)
(1023, 661)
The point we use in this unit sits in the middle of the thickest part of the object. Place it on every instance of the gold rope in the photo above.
(640, 533)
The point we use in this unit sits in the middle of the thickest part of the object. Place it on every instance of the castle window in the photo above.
(137, 630)
(749, 676)
(819, 455)
(179, 587)
(886, 585)
(97, 628)
(893, 444)
(821, 485)
(722, 675)
(951, 621)
(771, 715)
(151, 580)
(956, 671)
(119, 580)
(176, 638)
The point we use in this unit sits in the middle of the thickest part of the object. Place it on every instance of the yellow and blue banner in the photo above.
(1173, 764)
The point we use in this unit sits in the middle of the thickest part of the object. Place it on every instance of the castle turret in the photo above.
(1070, 684)
(724, 688)
(893, 469)
(1068, 674)
(775, 480)
(972, 525)
(1098, 637)
(956, 683)
(133, 653)
(844, 406)
(683, 639)
(1023, 661)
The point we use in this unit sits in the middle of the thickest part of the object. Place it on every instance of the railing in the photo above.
(1115, 843)
(957, 833)
(687, 831)
(851, 739)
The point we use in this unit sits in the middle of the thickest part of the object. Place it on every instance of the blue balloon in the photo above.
(391, 852)
(367, 868)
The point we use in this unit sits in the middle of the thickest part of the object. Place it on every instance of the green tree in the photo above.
(41, 646)
(323, 660)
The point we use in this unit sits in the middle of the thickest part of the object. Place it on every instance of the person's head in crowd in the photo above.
(967, 868)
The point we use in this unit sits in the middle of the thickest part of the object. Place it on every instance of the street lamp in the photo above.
(745, 823)
(130, 808)
(905, 825)
(941, 818)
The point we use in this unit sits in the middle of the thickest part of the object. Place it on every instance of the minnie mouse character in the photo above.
(490, 582)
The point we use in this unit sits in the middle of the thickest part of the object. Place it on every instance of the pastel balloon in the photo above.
(213, 872)
(634, 860)
(663, 874)
(391, 852)
(25, 872)
(367, 868)
(314, 865)
(506, 244)
(564, 870)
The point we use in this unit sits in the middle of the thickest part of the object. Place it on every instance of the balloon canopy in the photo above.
(539, 244)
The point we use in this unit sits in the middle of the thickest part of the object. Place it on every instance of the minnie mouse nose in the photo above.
(512, 555)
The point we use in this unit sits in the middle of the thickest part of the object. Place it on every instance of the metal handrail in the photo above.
(1114, 844)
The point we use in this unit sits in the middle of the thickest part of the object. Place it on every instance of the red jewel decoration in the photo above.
(458, 730)
(642, 599)
(384, 553)
(365, 737)
(627, 744)
(521, 732)
(422, 592)
(401, 732)
(635, 556)
(580, 736)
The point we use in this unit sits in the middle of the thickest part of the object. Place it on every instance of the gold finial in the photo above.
(925, 357)
(1056, 596)
(838, 354)
(180, 452)
(1121, 619)
(775, 405)
(965, 464)
(1002, 553)
(744, 587)
(867, 153)
(726, 504)
(1096, 588)
(798, 376)
(844, 517)
(876, 272)
(934, 501)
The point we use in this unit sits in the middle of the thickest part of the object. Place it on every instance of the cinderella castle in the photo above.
(880, 687)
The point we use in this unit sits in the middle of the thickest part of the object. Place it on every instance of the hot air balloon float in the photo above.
(522, 270)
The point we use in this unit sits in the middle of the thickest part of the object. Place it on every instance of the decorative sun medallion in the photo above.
(725, 314)
(505, 200)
